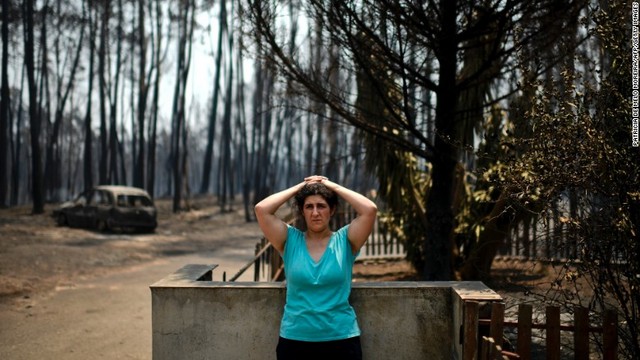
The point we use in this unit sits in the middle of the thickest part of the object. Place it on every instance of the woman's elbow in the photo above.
(372, 210)
(259, 208)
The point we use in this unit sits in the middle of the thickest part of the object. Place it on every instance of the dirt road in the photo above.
(76, 294)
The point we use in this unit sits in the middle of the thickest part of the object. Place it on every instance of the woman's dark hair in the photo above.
(316, 189)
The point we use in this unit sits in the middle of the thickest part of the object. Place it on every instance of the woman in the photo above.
(318, 320)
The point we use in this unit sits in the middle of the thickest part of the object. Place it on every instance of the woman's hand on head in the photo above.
(315, 179)
(322, 180)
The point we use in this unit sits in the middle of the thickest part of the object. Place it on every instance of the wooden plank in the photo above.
(510, 355)
(485, 348)
(610, 335)
(514, 324)
(470, 335)
(553, 332)
(497, 322)
(525, 313)
(581, 334)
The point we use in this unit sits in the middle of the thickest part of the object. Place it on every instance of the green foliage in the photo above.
(403, 187)
(482, 187)
(580, 145)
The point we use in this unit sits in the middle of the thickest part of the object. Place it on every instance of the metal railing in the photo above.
(267, 264)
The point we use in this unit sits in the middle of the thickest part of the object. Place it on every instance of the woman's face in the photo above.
(317, 213)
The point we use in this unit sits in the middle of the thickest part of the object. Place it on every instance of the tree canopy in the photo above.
(423, 75)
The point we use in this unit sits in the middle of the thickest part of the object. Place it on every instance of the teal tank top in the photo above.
(317, 302)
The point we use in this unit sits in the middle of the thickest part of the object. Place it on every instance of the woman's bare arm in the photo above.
(360, 227)
(274, 229)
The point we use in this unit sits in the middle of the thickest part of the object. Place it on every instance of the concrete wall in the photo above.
(194, 318)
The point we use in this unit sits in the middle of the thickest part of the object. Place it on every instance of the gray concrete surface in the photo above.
(194, 318)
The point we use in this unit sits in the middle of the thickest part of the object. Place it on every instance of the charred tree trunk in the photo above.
(37, 188)
(139, 169)
(113, 176)
(5, 106)
(497, 225)
(178, 153)
(88, 133)
(44, 97)
(153, 126)
(213, 115)
(243, 148)
(438, 250)
(102, 86)
(226, 171)
(260, 134)
(16, 148)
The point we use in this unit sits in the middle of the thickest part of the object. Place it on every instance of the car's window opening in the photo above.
(100, 198)
(81, 200)
(133, 201)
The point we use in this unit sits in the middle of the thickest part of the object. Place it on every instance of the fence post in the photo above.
(256, 267)
(497, 322)
(553, 332)
(470, 336)
(581, 334)
(525, 313)
(274, 265)
(610, 335)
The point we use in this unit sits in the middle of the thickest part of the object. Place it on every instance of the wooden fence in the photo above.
(268, 266)
(267, 263)
(581, 328)
(544, 237)
(529, 240)
(381, 243)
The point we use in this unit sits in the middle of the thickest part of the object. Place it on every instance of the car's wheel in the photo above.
(146, 230)
(102, 226)
(61, 219)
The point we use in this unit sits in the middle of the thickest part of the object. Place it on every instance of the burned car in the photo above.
(108, 208)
